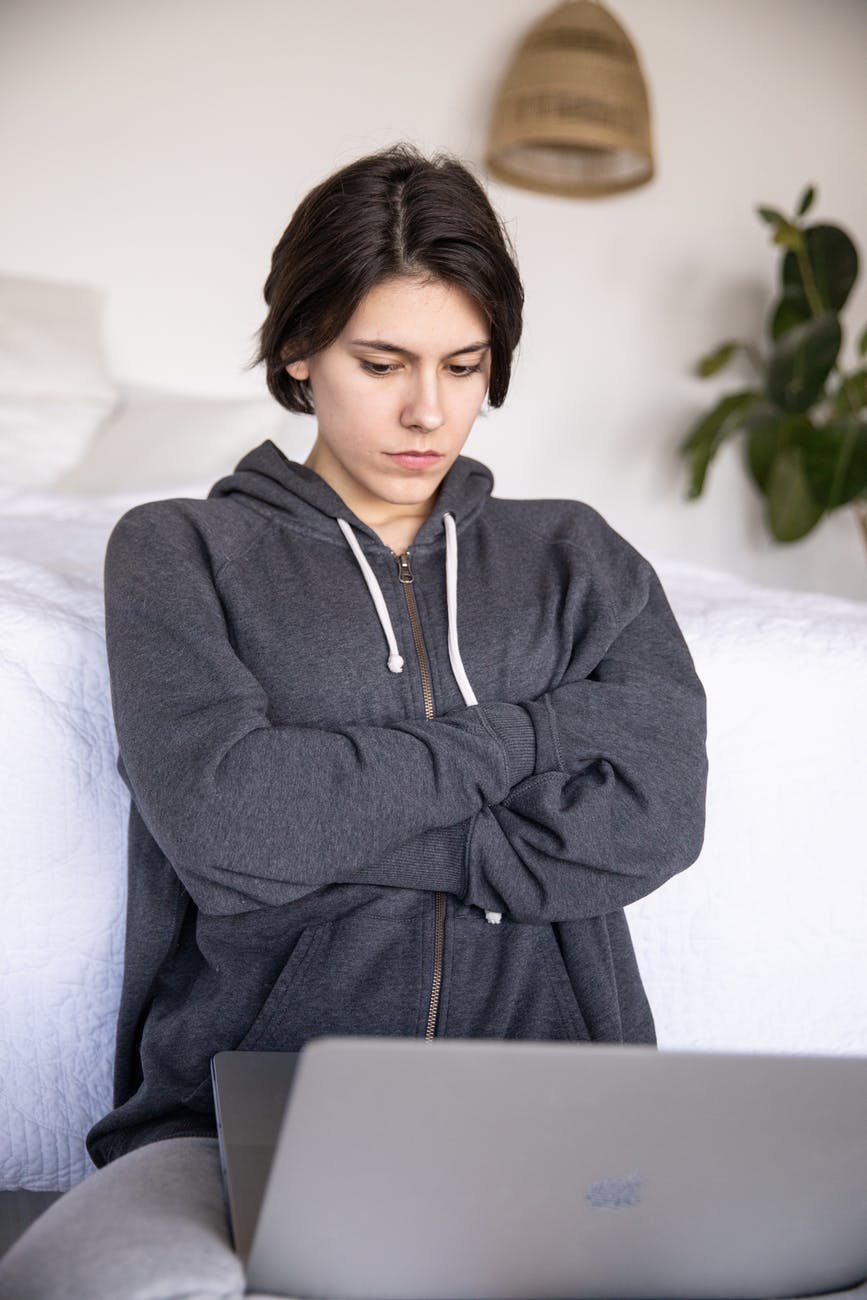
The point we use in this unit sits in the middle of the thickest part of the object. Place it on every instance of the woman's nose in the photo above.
(423, 407)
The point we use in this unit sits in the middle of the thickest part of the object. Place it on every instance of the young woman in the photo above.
(399, 752)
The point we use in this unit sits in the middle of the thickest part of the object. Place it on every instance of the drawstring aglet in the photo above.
(395, 663)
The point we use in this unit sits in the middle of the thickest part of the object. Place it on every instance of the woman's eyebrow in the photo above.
(381, 346)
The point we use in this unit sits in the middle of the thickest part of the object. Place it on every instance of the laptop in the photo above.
(373, 1168)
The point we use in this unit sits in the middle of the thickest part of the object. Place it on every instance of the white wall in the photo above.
(158, 149)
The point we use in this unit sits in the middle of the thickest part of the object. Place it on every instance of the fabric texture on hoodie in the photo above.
(303, 816)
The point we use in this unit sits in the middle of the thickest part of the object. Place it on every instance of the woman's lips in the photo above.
(415, 459)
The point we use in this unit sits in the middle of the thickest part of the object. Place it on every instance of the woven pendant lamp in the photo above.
(572, 113)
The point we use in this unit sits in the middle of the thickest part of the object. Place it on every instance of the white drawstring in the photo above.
(454, 649)
(452, 605)
(395, 660)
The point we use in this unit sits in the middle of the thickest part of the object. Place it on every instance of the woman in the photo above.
(398, 752)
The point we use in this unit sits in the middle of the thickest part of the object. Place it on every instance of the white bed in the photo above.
(757, 946)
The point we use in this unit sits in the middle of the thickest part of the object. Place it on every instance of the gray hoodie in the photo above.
(374, 794)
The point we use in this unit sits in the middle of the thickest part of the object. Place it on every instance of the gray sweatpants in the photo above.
(149, 1226)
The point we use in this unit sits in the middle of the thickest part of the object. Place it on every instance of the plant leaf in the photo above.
(791, 510)
(862, 343)
(768, 431)
(802, 361)
(806, 200)
(791, 309)
(708, 433)
(713, 362)
(851, 396)
(770, 215)
(833, 260)
(834, 460)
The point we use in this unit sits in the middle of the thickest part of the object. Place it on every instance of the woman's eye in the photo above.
(377, 367)
(382, 368)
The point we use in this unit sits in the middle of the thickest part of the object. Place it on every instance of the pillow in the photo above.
(54, 385)
(155, 440)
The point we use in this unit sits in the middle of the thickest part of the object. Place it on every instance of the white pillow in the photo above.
(157, 440)
(54, 384)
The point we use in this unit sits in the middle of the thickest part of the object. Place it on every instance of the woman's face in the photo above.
(396, 395)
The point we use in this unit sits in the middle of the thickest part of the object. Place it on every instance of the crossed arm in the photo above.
(569, 805)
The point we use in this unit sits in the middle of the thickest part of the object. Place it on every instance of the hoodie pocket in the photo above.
(355, 975)
(358, 974)
(562, 985)
(508, 981)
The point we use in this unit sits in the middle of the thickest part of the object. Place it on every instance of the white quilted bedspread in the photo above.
(758, 946)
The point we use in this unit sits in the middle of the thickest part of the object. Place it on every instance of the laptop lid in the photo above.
(250, 1092)
(467, 1169)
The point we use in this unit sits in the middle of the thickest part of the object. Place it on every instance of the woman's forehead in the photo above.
(412, 315)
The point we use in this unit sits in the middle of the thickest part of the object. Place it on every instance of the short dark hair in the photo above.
(391, 213)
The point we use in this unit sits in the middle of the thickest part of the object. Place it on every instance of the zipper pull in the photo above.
(404, 569)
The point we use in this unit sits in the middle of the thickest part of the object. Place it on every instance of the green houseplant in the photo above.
(803, 421)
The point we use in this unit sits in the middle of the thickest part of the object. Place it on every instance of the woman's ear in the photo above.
(298, 369)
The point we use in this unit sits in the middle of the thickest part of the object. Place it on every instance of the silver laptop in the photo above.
(477, 1169)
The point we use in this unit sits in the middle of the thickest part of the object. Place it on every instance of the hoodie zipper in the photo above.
(404, 572)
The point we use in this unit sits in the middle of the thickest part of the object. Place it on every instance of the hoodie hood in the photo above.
(265, 474)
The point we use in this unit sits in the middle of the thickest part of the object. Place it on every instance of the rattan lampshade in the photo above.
(572, 113)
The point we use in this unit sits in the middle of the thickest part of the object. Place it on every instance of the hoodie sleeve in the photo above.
(248, 813)
(617, 803)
